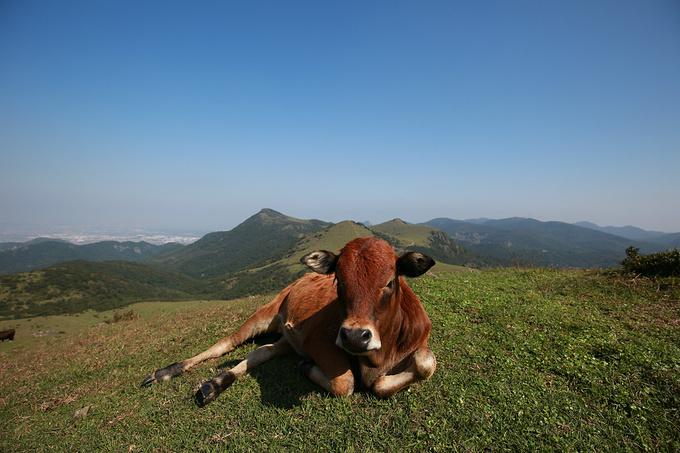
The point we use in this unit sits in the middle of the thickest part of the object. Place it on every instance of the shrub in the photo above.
(125, 316)
(659, 264)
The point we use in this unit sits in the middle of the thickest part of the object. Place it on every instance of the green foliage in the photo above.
(118, 316)
(528, 360)
(659, 264)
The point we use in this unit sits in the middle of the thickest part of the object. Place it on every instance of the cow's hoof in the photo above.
(212, 388)
(206, 394)
(164, 374)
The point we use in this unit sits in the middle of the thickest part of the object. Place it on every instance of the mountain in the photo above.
(629, 232)
(255, 239)
(531, 241)
(5, 246)
(40, 253)
(282, 266)
(671, 240)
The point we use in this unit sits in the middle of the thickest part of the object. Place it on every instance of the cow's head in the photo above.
(369, 287)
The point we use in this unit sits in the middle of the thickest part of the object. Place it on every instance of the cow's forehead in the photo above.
(368, 257)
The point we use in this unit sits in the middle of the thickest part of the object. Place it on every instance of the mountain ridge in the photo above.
(194, 259)
(530, 241)
(41, 253)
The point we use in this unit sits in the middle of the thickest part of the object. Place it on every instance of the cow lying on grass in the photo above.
(355, 322)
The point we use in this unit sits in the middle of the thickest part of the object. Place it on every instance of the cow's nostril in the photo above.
(365, 336)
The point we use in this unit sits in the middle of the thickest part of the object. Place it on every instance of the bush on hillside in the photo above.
(659, 264)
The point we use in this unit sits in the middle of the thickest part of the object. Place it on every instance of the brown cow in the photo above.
(358, 323)
(7, 335)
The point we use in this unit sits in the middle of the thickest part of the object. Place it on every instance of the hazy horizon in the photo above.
(195, 116)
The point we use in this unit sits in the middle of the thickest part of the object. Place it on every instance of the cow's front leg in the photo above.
(339, 385)
(331, 370)
(421, 367)
(164, 374)
(265, 320)
(212, 388)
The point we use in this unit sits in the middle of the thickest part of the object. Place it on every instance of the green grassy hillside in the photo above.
(78, 286)
(528, 360)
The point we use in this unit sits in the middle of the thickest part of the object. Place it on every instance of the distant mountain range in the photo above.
(261, 256)
(635, 233)
(529, 241)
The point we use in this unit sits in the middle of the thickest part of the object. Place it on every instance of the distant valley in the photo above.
(261, 256)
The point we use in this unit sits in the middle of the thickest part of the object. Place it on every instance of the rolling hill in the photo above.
(41, 253)
(77, 286)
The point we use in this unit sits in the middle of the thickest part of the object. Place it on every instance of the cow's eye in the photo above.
(390, 285)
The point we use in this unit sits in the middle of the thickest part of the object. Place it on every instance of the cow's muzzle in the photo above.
(357, 341)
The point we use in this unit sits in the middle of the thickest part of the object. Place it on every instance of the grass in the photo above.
(528, 360)
(28, 328)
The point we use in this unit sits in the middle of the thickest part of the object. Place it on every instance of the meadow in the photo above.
(528, 360)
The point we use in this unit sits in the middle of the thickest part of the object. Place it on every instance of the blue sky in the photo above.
(178, 114)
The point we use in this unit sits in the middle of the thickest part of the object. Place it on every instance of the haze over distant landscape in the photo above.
(180, 118)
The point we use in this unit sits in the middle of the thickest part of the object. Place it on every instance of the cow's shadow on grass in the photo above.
(281, 384)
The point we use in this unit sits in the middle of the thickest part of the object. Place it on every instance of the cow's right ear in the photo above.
(413, 264)
(320, 261)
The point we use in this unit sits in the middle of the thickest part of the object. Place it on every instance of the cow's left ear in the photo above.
(413, 264)
(320, 261)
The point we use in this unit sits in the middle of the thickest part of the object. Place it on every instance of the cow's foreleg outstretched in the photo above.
(212, 388)
(265, 320)
(421, 366)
